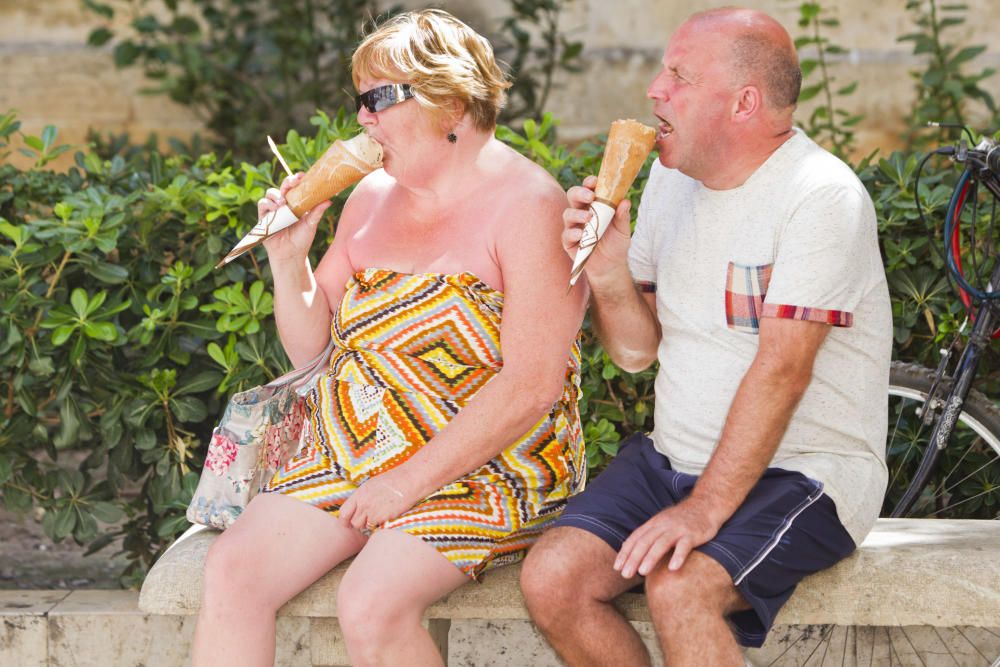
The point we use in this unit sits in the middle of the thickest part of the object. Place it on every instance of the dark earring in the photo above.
(452, 137)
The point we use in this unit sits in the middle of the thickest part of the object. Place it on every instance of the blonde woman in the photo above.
(445, 434)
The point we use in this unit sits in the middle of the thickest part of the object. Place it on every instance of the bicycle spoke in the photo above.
(956, 466)
(913, 444)
(975, 472)
(961, 502)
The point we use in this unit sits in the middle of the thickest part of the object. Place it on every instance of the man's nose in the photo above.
(657, 90)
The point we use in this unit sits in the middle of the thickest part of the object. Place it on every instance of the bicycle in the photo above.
(943, 449)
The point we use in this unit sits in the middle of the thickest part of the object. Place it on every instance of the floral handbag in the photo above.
(258, 433)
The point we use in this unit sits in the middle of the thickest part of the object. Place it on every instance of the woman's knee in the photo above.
(370, 613)
(228, 574)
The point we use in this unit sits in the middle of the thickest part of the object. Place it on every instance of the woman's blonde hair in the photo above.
(442, 59)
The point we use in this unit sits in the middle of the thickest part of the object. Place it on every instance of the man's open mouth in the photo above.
(663, 129)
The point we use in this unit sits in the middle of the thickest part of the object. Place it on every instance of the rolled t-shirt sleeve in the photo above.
(823, 260)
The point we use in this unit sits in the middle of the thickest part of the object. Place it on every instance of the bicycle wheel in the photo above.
(966, 483)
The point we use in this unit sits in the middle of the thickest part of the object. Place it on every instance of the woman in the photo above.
(427, 455)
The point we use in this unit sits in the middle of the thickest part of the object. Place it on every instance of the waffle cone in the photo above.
(629, 143)
(336, 170)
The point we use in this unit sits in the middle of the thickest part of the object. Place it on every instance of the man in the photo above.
(754, 277)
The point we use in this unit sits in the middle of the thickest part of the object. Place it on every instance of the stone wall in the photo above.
(50, 76)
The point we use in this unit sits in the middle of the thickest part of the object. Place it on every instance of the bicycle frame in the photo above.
(968, 363)
(986, 321)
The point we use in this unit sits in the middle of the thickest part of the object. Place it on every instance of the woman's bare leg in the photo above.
(276, 549)
(384, 594)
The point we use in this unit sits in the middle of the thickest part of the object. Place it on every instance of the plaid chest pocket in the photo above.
(746, 287)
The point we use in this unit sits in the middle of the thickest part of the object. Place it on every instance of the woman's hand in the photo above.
(292, 242)
(376, 501)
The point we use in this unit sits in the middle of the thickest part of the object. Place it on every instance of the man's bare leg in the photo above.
(689, 607)
(569, 586)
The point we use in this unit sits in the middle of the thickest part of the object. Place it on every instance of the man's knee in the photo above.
(701, 587)
(550, 576)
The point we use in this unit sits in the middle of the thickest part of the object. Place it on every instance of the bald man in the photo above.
(754, 278)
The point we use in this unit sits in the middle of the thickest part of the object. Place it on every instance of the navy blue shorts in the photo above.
(785, 530)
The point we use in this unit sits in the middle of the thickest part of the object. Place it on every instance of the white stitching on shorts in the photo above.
(777, 535)
(718, 545)
(596, 522)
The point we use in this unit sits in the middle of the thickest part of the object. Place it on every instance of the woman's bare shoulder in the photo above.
(528, 186)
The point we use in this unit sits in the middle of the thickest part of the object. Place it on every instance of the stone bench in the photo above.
(908, 572)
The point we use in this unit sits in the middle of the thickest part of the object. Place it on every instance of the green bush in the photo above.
(119, 340)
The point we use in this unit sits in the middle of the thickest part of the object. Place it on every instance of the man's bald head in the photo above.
(762, 52)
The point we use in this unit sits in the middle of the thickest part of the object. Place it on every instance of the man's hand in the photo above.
(611, 252)
(681, 528)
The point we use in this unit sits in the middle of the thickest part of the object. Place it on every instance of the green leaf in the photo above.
(15, 234)
(111, 274)
(99, 37)
(145, 439)
(65, 521)
(256, 291)
(848, 89)
(100, 8)
(125, 54)
(49, 135)
(96, 302)
(966, 54)
(79, 300)
(172, 526)
(215, 352)
(106, 512)
(62, 334)
(189, 409)
(105, 331)
(810, 92)
(185, 25)
(203, 381)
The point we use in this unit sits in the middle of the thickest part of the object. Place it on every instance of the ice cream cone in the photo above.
(628, 146)
(341, 166)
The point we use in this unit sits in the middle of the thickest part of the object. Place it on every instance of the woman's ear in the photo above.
(452, 116)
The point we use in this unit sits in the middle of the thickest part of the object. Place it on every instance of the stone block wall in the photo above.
(50, 76)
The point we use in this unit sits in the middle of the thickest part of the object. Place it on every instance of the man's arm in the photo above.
(761, 410)
(625, 321)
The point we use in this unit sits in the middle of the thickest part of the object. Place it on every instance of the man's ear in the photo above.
(747, 104)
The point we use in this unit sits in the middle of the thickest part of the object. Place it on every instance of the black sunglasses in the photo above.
(383, 97)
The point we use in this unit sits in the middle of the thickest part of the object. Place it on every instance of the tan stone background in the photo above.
(49, 74)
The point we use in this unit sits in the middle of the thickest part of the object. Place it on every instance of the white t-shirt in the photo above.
(798, 239)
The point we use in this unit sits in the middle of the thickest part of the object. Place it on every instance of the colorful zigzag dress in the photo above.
(410, 351)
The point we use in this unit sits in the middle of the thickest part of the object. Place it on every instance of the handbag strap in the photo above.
(301, 376)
